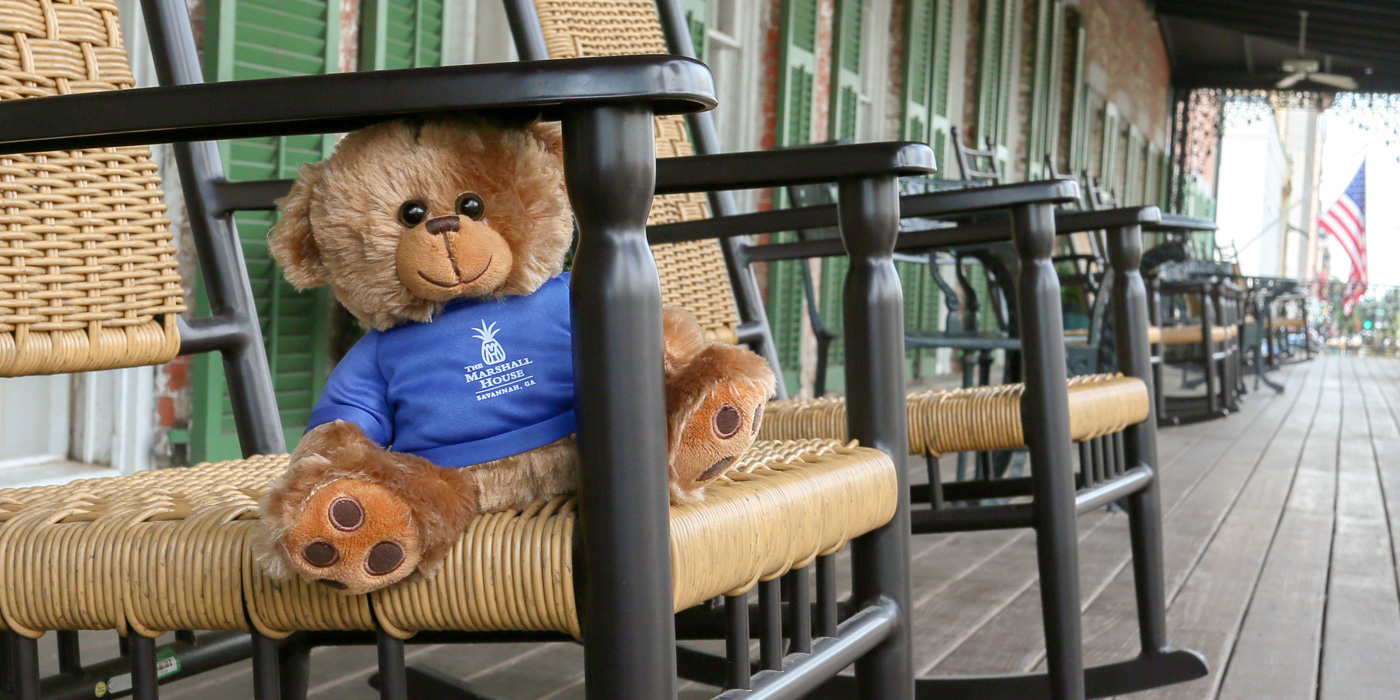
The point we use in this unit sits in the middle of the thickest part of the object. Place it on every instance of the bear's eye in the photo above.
(469, 204)
(412, 213)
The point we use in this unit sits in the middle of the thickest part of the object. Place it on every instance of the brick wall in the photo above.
(1128, 60)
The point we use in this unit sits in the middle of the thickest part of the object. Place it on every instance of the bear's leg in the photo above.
(355, 517)
(715, 394)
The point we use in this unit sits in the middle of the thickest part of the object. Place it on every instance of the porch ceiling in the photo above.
(1242, 43)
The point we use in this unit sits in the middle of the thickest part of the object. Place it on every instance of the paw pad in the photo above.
(353, 536)
(727, 421)
(346, 515)
(384, 558)
(716, 469)
(757, 418)
(320, 554)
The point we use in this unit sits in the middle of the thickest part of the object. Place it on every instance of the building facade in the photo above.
(1085, 84)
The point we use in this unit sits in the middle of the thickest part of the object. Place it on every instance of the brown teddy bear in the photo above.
(446, 237)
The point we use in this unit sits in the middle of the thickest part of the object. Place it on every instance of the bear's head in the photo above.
(408, 215)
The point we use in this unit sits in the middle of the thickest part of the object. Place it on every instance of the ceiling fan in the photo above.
(1306, 69)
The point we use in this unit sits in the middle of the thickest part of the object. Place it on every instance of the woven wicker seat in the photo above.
(975, 419)
(170, 549)
(1187, 335)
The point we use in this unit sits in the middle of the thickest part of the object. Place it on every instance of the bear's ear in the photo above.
(549, 133)
(291, 241)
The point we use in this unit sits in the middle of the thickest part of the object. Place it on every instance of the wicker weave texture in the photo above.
(88, 276)
(1188, 335)
(172, 549)
(693, 275)
(965, 420)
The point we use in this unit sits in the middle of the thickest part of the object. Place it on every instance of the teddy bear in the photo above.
(446, 238)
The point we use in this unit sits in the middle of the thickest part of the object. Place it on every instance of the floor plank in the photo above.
(1361, 636)
(1014, 641)
(1382, 376)
(1275, 653)
(1220, 512)
(1212, 602)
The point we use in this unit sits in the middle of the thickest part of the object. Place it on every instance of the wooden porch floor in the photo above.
(1280, 553)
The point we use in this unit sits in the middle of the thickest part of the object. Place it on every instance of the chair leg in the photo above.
(144, 683)
(626, 605)
(935, 480)
(1212, 380)
(393, 678)
(294, 662)
(1149, 577)
(25, 670)
(70, 659)
(1159, 393)
(1057, 552)
(1044, 409)
(266, 677)
(874, 313)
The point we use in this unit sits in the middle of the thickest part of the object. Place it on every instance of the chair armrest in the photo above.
(1176, 223)
(322, 104)
(978, 199)
(1080, 221)
(791, 166)
(911, 206)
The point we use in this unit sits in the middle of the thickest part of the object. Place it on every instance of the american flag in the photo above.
(1346, 221)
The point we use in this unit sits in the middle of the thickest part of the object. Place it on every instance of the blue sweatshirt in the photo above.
(482, 381)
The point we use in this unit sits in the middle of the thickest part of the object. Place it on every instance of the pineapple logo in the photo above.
(491, 351)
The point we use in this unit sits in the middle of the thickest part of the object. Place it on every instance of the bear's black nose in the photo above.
(443, 224)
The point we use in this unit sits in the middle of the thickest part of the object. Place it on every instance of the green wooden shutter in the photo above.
(1133, 168)
(798, 72)
(918, 70)
(796, 81)
(846, 79)
(1108, 153)
(847, 83)
(249, 39)
(928, 48)
(400, 34)
(1164, 181)
(697, 17)
(939, 105)
(1152, 187)
(1043, 127)
(999, 58)
(1079, 119)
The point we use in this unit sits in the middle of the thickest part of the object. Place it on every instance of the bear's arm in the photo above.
(357, 392)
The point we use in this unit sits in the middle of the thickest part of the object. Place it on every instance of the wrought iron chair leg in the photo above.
(144, 684)
(266, 677)
(70, 658)
(294, 663)
(393, 678)
(24, 673)
(738, 670)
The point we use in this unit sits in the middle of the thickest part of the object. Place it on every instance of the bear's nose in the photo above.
(443, 224)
